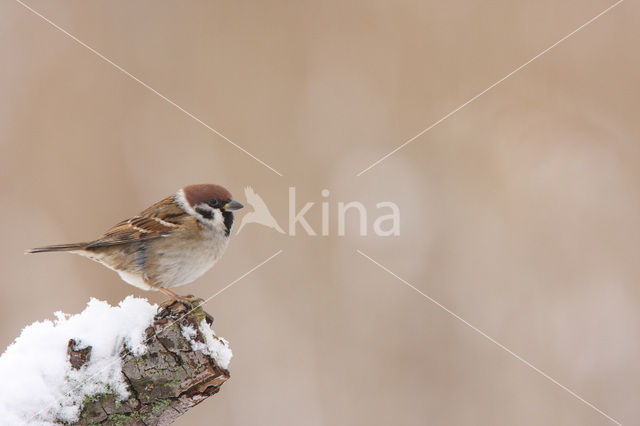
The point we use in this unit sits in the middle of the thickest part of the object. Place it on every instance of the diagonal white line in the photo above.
(407, 142)
(28, 421)
(145, 85)
(491, 339)
(243, 275)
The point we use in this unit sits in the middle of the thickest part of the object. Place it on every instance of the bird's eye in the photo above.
(214, 203)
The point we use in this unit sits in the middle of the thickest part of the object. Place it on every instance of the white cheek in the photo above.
(182, 202)
(218, 219)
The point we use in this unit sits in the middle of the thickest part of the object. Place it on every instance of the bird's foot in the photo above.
(189, 300)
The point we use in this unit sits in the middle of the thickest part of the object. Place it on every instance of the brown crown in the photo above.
(196, 194)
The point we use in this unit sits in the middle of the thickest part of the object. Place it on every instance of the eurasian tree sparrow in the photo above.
(171, 243)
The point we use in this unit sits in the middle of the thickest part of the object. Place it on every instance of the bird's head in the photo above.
(211, 204)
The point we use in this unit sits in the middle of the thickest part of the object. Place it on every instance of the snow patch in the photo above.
(38, 385)
(213, 346)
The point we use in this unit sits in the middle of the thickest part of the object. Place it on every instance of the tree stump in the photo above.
(166, 381)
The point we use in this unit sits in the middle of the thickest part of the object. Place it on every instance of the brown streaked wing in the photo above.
(164, 208)
(154, 222)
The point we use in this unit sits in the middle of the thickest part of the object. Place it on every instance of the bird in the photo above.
(169, 244)
(260, 213)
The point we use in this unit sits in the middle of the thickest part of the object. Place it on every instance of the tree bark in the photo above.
(165, 382)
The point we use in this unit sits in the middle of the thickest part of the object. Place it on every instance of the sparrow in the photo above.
(169, 244)
(260, 213)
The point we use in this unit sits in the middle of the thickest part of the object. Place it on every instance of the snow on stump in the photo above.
(132, 364)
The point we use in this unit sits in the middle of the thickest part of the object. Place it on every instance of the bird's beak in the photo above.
(233, 205)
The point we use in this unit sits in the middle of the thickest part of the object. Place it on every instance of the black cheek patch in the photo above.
(228, 222)
(207, 214)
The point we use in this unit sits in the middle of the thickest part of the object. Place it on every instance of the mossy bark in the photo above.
(165, 382)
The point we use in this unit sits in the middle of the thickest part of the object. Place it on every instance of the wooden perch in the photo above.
(165, 382)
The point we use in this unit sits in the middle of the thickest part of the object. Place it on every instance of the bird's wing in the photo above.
(157, 221)
(135, 229)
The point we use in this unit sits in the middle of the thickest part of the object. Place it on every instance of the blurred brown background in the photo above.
(519, 213)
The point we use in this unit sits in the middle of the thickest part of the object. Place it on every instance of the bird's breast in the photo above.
(181, 261)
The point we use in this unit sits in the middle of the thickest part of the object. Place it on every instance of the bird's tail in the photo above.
(58, 247)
